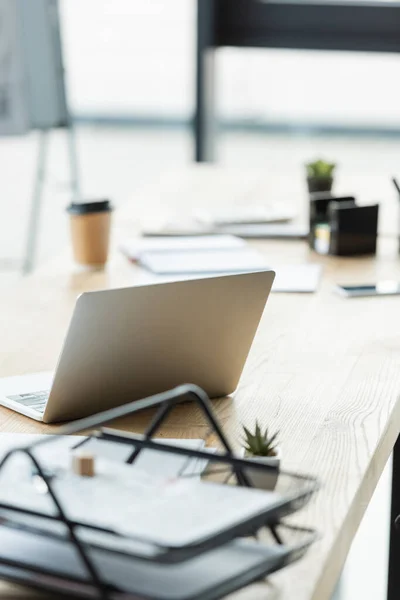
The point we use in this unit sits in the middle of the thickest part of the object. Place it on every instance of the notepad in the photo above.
(245, 215)
(297, 278)
(204, 261)
(134, 248)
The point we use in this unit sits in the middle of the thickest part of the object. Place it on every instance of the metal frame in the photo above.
(368, 26)
(165, 402)
(42, 116)
(38, 189)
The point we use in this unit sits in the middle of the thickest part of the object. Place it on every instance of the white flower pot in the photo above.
(265, 480)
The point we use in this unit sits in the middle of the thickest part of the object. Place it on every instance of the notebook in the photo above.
(203, 261)
(134, 248)
(245, 215)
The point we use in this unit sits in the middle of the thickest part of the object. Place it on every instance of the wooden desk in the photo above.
(323, 370)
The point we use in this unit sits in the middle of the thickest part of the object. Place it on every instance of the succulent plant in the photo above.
(320, 169)
(259, 443)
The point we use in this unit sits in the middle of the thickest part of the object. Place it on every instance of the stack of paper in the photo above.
(170, 258)
(154, 463)
(148, 500)
(134, 249)
(194, 254)
(200, 261)
(246, 215)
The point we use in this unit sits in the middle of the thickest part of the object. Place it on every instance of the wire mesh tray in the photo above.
(53, 565)
(34, 544)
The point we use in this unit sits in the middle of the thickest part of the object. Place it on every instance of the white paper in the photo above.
(157, 464)
(187, 511)
(135, 248)
(297, 278)
(166, 510)
(266, 230)
(289, 278)
(208, 261)
(246, 214)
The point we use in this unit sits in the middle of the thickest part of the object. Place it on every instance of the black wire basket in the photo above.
(51, 550)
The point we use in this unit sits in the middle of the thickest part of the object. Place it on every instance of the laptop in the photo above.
(126, 344)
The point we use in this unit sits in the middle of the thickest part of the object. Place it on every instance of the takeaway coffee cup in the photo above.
(90, 232)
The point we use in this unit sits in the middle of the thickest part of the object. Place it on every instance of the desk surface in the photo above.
(323, 370)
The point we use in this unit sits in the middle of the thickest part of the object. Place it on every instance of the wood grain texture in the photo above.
(323, 370)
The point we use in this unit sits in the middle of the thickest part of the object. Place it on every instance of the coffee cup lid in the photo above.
(84, 208)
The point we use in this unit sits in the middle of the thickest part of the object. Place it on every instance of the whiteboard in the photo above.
(32, 90)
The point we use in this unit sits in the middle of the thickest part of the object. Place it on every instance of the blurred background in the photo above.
(130, 75)
(130, 79)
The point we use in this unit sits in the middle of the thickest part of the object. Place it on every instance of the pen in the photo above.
(396, 185)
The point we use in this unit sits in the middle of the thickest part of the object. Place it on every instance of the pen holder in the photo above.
(339, 227)
(319, 215)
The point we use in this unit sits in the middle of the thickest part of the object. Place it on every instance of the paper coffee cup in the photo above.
(90, 231)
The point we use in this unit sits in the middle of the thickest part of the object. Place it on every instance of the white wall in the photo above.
(137, 57)
(132, 56)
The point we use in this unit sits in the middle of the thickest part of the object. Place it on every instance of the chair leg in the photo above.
(393, 589)
(36, 204)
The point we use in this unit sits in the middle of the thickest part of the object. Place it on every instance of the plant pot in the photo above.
(265, 480)
(319, 184)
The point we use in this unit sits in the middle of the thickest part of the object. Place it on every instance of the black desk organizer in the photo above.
(348, 229)
(53, 553)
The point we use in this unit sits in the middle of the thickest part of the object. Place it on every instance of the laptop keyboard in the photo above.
(35, 400)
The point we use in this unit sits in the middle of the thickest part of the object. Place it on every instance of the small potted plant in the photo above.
(320, 176)
(262, 447)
